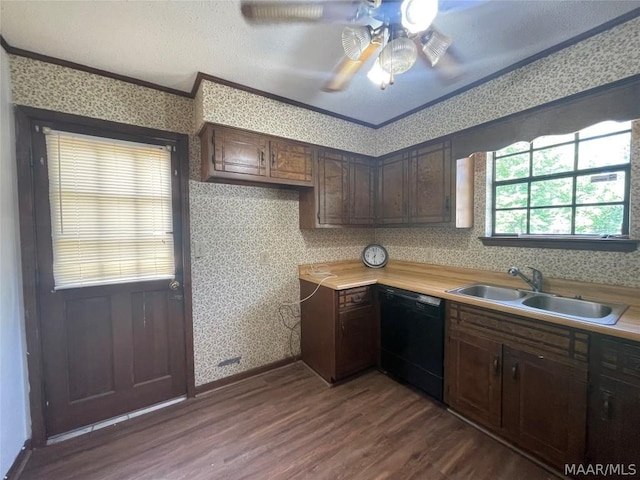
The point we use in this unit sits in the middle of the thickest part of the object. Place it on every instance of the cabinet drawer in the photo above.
(520, 332)
(355, 297)
(621, 358)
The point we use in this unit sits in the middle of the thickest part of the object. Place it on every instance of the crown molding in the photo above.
(200, 77)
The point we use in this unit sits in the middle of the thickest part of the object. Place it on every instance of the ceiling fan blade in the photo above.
(347, 68)
(258, 12)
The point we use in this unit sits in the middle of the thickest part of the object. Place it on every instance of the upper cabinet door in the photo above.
(237, 151)
(362, 191)
(332, 190)
(392, 189)
(430, 184)
(291, 161)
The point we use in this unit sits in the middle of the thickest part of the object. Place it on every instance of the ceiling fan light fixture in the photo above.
(417, 15)
(435, 45)
(398, 56)
(355, 40)
(378, 76)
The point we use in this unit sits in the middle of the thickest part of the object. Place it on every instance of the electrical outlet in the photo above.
(264, 257)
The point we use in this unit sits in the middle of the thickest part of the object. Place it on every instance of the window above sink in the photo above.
(564, 191)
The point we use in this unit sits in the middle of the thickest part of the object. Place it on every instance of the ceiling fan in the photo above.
(400, 28)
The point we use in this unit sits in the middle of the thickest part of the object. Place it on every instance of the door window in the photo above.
(111, 210)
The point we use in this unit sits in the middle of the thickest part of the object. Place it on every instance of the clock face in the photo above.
(375, 256)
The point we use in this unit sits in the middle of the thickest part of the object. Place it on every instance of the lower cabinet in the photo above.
(524, 380)
(338, 330)
(614, 405)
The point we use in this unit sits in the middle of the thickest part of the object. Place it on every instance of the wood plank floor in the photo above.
(287, 424)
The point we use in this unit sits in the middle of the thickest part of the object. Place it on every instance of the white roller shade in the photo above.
(111, 215)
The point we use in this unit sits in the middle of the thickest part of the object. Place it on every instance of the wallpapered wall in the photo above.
(601, 59)
(234, 295)
(226, 105)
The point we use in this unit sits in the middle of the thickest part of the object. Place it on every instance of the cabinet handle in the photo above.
(261, 158)
(514, 371)
(273, 159)
(606, 407)
(342, 325)
(213, 151)
(446, 203)
(496, 364)
(356, 298)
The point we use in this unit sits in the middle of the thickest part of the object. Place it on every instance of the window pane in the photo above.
(605, 219)
(551, 221)
(510, 196)
(111, 210)
(600, 152)
(551, 192)
(511, 221)
(553, 160)
(514, 148)
(600, 188)
(553, 140)
(509, 168)
(603, 129)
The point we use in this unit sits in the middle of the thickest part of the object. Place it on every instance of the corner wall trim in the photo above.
(20, 462)
(207, 387)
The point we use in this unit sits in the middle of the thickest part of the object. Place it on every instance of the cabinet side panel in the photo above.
(317, 329)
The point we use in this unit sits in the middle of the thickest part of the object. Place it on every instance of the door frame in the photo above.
(24, 119)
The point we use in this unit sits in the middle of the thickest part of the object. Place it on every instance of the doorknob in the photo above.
(174, 285)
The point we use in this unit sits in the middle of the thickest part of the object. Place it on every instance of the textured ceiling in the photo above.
(167, 43)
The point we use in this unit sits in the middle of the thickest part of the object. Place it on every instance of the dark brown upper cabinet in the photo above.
(362, 182)
(232, 155)
(416, 186)
(392, 207)
(429, 180)
(290, 160)
(343, 193)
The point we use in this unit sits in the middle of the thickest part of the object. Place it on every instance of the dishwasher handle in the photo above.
(418, 298)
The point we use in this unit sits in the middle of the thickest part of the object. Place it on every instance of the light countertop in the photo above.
(435, 280)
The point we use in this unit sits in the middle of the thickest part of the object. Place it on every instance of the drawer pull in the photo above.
(606, 407)
(357, 298)
(514, 371)
(496, 365)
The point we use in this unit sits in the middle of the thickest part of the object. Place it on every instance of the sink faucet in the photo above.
(535, 283)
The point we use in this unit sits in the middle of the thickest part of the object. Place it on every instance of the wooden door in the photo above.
(430, 184)
(110, 348)
(544, 406)
(614, 422)
(333, 188)
(392, 189)
(473, 377)
(355, 341)
(237, 151)
(290, 161)
(362, 191)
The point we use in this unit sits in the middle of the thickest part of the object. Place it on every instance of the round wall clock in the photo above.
(375, 256)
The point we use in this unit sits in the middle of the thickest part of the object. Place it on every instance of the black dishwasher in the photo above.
(412, 338)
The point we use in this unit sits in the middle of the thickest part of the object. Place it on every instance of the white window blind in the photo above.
(111, 215)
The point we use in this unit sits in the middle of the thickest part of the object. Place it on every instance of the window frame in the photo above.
(573, 175)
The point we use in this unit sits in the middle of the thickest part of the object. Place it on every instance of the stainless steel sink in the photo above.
(491, 292)
(582, 310)
(604, 313)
